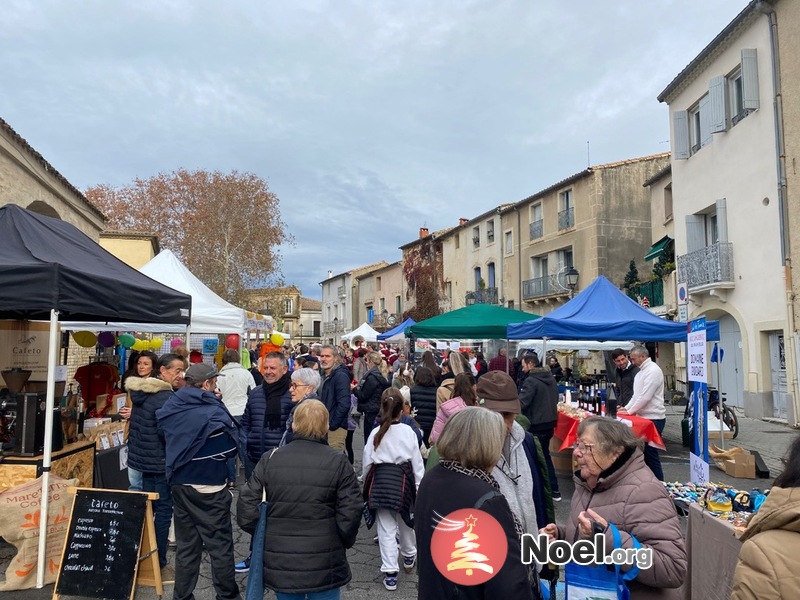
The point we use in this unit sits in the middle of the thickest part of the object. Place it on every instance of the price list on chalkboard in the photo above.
(102, 547)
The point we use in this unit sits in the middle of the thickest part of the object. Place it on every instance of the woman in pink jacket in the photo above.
(463, 395)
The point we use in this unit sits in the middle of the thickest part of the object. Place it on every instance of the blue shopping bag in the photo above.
(598, 582)
(255, 577)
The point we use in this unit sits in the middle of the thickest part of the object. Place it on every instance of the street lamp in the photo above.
(335, 328)
(572, 280)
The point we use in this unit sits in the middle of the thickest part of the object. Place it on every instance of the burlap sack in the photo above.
(19, 525)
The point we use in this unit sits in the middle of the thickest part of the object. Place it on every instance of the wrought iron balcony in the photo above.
(711, 266)
(652, 290)
(538, 287)
(537, 229)
(484, 296)
(566, 218)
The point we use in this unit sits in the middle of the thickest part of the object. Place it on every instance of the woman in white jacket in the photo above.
(393, 443)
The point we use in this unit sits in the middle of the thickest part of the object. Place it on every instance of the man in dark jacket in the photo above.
(626, 371)
(335, 394)
(200, 436)
(538, 396)
(268, 406)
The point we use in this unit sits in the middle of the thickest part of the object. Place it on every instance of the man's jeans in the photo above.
(651, 458)
(162, 509)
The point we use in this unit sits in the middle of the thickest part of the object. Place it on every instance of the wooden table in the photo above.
(72, 461)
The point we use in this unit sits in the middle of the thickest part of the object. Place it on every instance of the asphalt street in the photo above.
(770, 439)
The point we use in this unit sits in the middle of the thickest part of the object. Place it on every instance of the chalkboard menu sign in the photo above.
(102, 547)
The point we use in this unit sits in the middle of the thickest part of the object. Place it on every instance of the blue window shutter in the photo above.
(716, 104)
(680, 132)
(750, 78)
(695, 232)
(705, 121)
(722, 220)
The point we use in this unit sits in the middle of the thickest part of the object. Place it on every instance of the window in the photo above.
(537, 225)
(476, 237)
(511, 304)
(287, 306)
(730, 99)
(490, 231)
(458, 241)
(383, 304)
(398, 308)
(668, 203)
(564, 258)
(378, 283)
(538, 266)
(708, 227)
(509, 242)
(566, 214)
(448, 291)
(490, 267)
(478, 278)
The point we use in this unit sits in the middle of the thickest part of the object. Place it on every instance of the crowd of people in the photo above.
(440, 435)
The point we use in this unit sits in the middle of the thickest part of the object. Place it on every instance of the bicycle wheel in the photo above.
(730, 420)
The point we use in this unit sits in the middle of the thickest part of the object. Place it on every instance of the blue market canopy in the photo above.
(602, 312)
(398, 330)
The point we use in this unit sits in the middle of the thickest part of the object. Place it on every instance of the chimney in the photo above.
(462, 221)
(330, 274)
(423, 232)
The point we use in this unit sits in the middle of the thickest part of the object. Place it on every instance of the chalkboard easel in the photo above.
(110, 546)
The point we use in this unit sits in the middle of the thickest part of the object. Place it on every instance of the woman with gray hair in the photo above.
(469, 447)
(305, 383)
(614, 485)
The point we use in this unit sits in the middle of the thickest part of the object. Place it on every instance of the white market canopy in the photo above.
(210, 313)
(364, 331)
(567, 345)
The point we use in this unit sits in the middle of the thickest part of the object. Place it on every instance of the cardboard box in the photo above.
(714, 435)
(742, 466)
(114, 403)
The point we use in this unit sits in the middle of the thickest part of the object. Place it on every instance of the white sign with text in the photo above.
(698, 469)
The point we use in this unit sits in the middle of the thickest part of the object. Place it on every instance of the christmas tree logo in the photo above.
(468, 546)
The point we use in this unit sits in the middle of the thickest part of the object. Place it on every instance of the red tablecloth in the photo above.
(567, 430)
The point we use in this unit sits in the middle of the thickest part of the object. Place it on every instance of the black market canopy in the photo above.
(49, 270)
(47, 264)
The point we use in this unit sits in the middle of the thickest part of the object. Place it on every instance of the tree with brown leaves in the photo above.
(225, 227)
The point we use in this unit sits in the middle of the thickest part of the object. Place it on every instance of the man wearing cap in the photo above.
(200, 435)
(517, 471)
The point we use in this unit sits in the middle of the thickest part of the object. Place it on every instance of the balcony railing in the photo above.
(566, 218)
(537, 229)
(331, 327)
(652, 290)
(538, 287)
(484, 296)
(707, 266)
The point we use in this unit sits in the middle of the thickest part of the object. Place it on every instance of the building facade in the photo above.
(380, 297)
(594, 222)
(28, 180)
(340, 301)
(131, 247)
(725, 188)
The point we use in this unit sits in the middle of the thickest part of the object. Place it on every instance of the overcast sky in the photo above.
(369, 119)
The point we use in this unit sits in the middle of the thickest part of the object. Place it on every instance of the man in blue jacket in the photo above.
(200, 435)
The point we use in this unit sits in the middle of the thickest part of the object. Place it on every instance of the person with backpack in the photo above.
(369, 389)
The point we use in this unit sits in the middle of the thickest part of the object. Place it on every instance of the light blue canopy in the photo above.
(399, 330)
